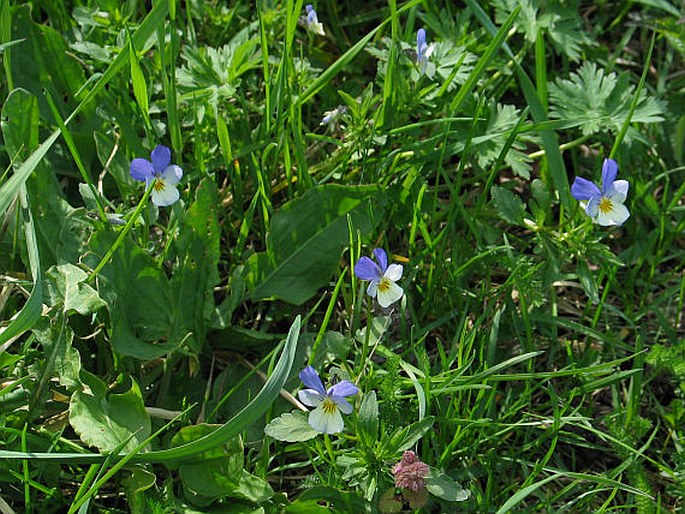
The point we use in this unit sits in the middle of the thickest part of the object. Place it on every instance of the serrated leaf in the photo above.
(291, 427)
(306, 238)
(600, 100)
(509, 206)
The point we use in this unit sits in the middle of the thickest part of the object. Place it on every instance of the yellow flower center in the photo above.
(605, 205)
(158, 184)
(384, 285)
(328, 406)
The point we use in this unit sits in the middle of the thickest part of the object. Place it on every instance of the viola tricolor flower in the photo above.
(423, 50)
(330, 117)
(313, 24)
(328, 404)
(381, 276)
(605, 207)
(161, 173)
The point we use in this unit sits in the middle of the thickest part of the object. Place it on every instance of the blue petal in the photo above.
(311, 379)
(342, 389)
(382, 258)
(583, 189)
(366, 269)
(141, 169)
(420, 40)
(161, 158)
(609, 171)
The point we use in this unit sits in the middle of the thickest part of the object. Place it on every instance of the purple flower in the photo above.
(326, 417)
(381, 276)
(410, 473)
(161, 173)
(313, 24)
(605, 207)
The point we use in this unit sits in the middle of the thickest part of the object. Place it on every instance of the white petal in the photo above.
(390, 295)
(310, 397)
(394, 272)
(165, 195)
(172, 175)
(372, 289)
(620, 191)
(616, 216)
(326, 423)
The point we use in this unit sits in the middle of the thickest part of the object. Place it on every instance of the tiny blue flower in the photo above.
(423, 50)
(381, 276)
(605, 207)
(330, 117)
(313, 24)
(328, 404)
(161, 173)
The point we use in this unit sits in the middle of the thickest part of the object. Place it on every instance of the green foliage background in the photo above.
(536, 362)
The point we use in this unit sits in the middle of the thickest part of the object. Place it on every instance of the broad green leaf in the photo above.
(197, 244)
(442, 486)
(215, 473)
(51, 68)
(106, 420)
(138, 298)
(65, 285)
(306, 238)
(64, 361)
(290, 427)
(19, 123)
(252, 488)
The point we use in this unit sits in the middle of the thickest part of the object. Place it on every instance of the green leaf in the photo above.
(600, 100)
(65, 285)
(138, 80)
(290, 427)
(138, 298)
(215, 473)
(64, 361)
(509, 206)
(19, 123)
(305, 240)
(367, 420)
(406, 437)
(197, 244)
(442, 486)
(105, 421)
(252, 488)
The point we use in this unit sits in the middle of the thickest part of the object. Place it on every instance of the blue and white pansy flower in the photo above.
(423, 53)
(604, 206)
(381, 277)
(313, 24)
(327, 403)
(160, 173)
